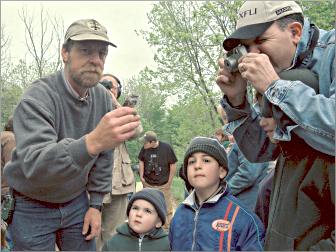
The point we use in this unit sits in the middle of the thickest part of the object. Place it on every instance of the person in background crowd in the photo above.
(157, 166)
(211, 218)
(65, 130)
(244, 177)
(279, 39)
(222, 138)
(265, 186)
(123, 181)
(222, 114)
(7, 145)
(146, 213)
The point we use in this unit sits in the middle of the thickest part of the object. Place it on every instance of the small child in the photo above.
(210, 218)
(146, 212)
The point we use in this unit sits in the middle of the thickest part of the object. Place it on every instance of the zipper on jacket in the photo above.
(194, 232)
(140, 241)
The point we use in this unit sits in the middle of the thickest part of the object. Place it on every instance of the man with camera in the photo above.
(278, 40)
(123, 181)
(157, 167)
(65, 132)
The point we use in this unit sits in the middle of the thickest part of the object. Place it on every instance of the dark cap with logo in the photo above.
(255, 17)
(87, 29)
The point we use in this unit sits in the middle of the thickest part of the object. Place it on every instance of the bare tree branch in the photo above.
(41, 43)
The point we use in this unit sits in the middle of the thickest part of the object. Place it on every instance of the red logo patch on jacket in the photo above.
(221, 225)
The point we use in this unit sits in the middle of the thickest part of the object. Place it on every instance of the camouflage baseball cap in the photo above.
(87, 29)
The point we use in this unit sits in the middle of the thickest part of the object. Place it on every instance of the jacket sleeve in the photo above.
(41, 150)
(313, 116)
(246, 174)
(100, 177)
(58, 160)
(252, 236)
(325, 245)
(244, 125)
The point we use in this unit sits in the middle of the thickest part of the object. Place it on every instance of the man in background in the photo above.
(157, 166)
(7, 145)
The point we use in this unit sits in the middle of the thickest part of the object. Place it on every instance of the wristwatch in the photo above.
(98, 207)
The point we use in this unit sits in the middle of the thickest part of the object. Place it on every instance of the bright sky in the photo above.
(121, 18)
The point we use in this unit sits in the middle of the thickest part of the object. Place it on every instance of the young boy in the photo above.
(210, 218)
(146, 212)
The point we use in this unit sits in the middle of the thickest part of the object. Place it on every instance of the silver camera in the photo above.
(232, 57)
(131, 101)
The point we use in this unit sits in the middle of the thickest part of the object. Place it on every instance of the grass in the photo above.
(178, 190)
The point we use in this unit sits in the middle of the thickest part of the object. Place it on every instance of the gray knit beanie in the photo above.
(155, 197)
(210, 146)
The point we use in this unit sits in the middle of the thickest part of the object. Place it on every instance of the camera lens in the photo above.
(231, 64)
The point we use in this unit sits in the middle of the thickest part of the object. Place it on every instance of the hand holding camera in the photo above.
(232, 57)
(229, 78)
(131, 101)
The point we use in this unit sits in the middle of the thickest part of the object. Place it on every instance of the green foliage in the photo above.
(188, 120)
(322, 13)
(188, 37)
(15, 79)
(151, 108)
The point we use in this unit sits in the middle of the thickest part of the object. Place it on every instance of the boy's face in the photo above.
(143, 217)
(204, 172)
(268, 124)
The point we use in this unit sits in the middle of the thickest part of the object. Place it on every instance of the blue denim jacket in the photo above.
(313, 114)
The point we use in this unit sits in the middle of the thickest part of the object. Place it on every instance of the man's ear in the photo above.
(158, 223)
(296, 30)
(65, 55)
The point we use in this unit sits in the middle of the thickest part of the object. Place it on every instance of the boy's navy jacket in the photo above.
(222, 223)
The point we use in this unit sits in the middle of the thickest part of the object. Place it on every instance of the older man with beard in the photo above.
(65, 132)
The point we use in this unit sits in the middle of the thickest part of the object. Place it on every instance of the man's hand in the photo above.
(231, 84)
(92, 219)
(114, 128)
(258, 70)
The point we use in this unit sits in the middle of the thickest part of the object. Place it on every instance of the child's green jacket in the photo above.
(127, 240)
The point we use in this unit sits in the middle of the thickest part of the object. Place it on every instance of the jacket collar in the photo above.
(223, 190)
(154, 233)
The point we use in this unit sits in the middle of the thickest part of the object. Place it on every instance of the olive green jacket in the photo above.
(127, 240)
